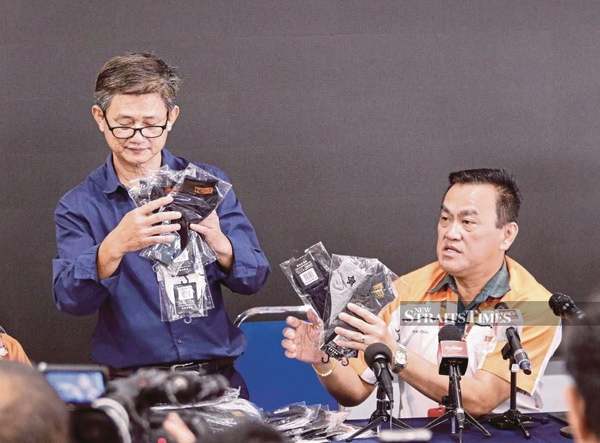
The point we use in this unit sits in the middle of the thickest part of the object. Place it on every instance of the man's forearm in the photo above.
(343, 383)
(423, 376)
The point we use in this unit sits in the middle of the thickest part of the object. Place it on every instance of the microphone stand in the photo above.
(454, 408)
(382, 414)
(513, 418)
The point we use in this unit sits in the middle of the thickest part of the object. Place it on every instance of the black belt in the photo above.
(213, 366)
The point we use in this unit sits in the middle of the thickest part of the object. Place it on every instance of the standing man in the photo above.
(100, 232)
(476, 227)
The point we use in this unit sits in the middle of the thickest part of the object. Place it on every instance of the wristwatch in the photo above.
(400, 358)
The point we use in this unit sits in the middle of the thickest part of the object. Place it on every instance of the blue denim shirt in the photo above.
(129, 331)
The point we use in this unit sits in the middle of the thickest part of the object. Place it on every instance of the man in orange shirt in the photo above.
(11, 349)
(476, 227)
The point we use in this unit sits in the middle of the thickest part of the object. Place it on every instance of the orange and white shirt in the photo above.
(540, 333)
(11, 349)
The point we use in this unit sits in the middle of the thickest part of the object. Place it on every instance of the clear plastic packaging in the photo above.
(363, 281)
(309, 276)
(183, 289)
(183, 296)
(300, 422)
(196, 193)
(327, 283)
(293, 417)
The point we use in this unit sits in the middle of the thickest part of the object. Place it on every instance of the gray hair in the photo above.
(136, 73)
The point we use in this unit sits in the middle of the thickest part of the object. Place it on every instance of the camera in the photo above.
(120, 410)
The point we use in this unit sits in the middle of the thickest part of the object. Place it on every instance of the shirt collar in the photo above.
(111, 181)
(496, 287)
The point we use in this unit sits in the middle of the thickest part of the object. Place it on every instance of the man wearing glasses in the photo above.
(100, 233)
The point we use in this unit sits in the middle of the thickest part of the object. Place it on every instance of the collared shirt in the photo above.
(129, 331)
(541, 332)
(495, 288)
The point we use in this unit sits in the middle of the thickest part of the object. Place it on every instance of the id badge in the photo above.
(185, 293)
(186, 298)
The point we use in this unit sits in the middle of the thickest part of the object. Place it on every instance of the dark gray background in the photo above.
(337, 120)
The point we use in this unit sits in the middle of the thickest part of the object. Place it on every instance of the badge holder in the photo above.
(183, 296)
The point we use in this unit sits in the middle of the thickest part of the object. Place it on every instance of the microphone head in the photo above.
(449, 333)
(558, 302)
(452, 350)
(501, 305)
(377, 349)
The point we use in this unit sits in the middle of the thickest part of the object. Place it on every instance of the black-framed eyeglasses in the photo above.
(125, 132)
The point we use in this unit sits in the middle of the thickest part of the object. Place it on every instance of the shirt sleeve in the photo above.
(250, 267)
(77, 289)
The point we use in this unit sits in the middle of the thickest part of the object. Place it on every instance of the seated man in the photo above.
(30, 410)
(583, 363)
(476, 226)
(11, 349)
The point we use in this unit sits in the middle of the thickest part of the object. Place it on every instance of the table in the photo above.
(540, 432)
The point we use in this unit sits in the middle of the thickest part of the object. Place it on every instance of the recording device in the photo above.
(76, 384)
(514, 342)
(452, 350)
(563, 306)
(454, 359)
(122, 412)
(378, 356)
(507, 327)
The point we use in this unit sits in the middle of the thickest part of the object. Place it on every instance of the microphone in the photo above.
(514, 341)
(454, 358)
(504, 318)
(563, 306)
(452, 350)
(378, 356)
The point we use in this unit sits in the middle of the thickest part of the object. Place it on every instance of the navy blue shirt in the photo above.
(129, 331)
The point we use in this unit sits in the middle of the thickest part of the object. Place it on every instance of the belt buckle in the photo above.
(178, 366)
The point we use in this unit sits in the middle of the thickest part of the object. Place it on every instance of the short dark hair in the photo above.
(508, 201)
(250, 432)
(30, 410)
(583, 362)
(136, 73)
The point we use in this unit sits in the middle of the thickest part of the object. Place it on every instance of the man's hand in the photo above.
(141, 227)
(302, 343)
(372, 330)
(138, 229)
(210, 230)
(302, 339)
(177, 429)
